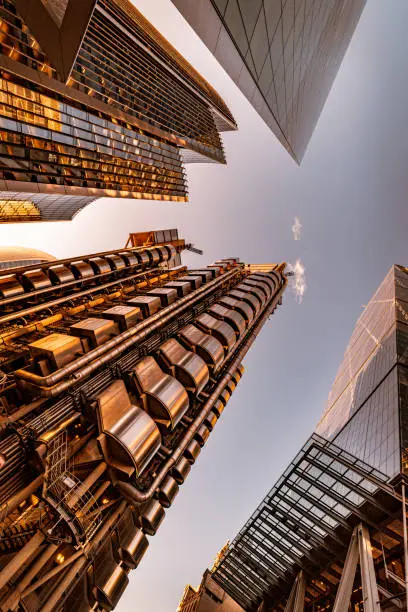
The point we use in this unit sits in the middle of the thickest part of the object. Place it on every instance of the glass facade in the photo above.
(366, 411)
(283, 54)
(119, 125)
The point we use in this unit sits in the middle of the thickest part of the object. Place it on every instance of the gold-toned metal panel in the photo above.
(133, 548)
(166, 294)
(133, 437)
(192, 451)
(189, 368)
(125, 316)
(168, 492)
(34, 280)
(9, 286)
(182, 287)
(181, 470)
(219, 329)
(207, 347)
(97, 331)
(109, 591)
(60, 274)
(195, 280)
(148, 304)
(58, 349)
(82, 269)
(234, 318)
(242, 307)
(99, 265)
(152, 516)
(248, 298)
(167, 399)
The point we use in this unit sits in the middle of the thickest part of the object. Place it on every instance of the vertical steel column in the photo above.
(296, 600)
(368, 579)
(359, 550)
(343, 595)
(404, 522)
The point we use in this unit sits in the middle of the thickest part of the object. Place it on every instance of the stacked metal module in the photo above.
(115, 368)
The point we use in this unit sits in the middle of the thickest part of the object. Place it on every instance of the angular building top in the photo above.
(283, 56)
(95, 102)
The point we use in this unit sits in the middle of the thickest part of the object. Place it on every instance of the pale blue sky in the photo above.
(350, 195)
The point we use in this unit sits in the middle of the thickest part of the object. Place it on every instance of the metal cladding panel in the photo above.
(148, 304)
(206, 275)
(59, 349)
(60, 274)
(247, 297)
(255, 291)
(220, 329)
(208, 347)
(10, 287)
(167, 399)
(129, 258)
(190, 368)
(115, 261)
(239, 305)
(82, 269)
(195, 281)
(182, 287)
(100, 265)
(167, 295)
(97, 331)
(259, 285)
(234, 318)
(34, 280)
(129, 426)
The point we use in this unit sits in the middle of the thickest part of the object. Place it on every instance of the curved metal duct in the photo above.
(188, 367)
(219, 329)
(132, 436)
(166, 398)
(207, 347)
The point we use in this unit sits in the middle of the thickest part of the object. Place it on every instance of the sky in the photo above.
(350, 196)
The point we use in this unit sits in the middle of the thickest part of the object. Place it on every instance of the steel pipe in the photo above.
(12, 601)
(20, 558)
(66, 298)
(138, 497)
(118, 344)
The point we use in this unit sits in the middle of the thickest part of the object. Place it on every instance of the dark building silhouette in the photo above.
(95, 102)
(115, 369)
(342, 500)
(283, 55)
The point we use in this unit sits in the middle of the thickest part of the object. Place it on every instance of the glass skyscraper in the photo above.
(282, 54)
(95, 102)
(345, 485)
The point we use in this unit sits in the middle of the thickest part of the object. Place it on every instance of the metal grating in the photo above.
(303, 523)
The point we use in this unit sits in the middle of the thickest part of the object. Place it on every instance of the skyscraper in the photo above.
(283, 55)
(95, 102)
(115, 368)
(342, 500)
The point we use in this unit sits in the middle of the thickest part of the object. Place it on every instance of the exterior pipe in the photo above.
(56, 262)
(134, 495)
(12, 601)
(16, 500)
(68, 580)
(52, 573)
(20, 558)
(87, 484)
(67, 298)
(117, 345)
